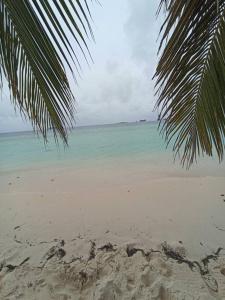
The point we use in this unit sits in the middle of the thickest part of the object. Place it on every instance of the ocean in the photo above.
(138, 142)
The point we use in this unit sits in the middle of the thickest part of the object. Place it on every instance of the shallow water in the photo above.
(126, 143)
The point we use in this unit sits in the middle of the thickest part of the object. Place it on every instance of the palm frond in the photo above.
(37, 39)
(190, 77)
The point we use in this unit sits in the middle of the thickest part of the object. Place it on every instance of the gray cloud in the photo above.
(142, 29)
(123, 93)
(122, 89)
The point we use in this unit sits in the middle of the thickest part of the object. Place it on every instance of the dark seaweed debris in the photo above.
(132, 250)
(202, 266)
(92, 251)
(55, 251)
(13, 267)
(107, 247)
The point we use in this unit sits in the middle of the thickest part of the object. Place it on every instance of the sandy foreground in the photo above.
(111, 233)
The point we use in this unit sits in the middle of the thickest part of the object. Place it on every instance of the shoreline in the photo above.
(162, 167)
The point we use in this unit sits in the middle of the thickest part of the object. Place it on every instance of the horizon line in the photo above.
(141, 121)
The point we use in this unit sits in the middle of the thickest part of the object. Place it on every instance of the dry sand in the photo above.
(111, 233)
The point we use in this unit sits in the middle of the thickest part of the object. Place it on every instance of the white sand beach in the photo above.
(112, 145)
(111, 233)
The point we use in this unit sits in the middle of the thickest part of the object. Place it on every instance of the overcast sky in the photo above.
(118, 86)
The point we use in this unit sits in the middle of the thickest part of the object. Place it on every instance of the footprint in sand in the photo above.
(159, 291)
(107, 290)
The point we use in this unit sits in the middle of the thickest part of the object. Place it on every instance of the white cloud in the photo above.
(118, 87)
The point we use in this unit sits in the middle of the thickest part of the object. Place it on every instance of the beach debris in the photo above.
(25, 242)
(131, 250)
(18, 226)
(83, 271)
(54, 251)
(13, 267)
(175, 254)
(219, 228)
(213, 256)
(107, 247)
(10, 183)
(83, 277)
(24, 261)
(17, 241)
(222, 195)
(52, 179)
(29, 284)
(180, 258)
(92, 251)
(10, 267)
(50, 242)
(60, 253)
(202, 266)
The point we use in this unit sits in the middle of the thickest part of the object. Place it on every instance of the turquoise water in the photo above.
(133, 141)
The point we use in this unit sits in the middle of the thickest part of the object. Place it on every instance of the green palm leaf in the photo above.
(191, 77)
(37, 39)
